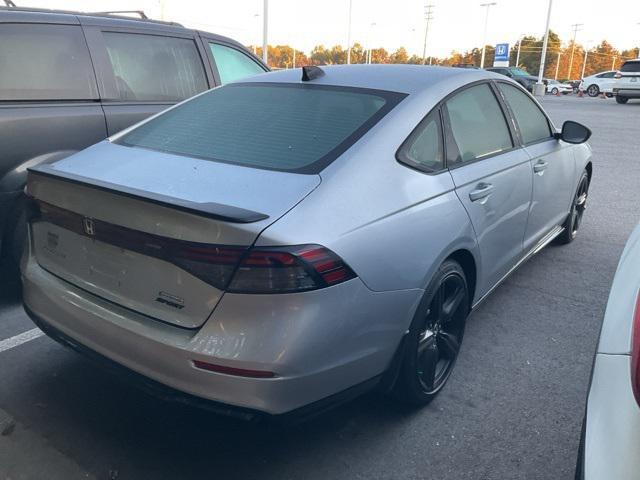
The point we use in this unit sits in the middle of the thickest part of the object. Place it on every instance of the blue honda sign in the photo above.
(502, 52)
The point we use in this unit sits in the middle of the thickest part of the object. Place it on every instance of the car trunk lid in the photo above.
(140, 228)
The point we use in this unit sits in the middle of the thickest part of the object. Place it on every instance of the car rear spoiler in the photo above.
(216, 211)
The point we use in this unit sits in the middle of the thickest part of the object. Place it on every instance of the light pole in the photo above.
(265, 28)
(576, 27)
(349, 35)
(486, 23)
(373, 24)
(255, 46)
(428, 16)
(294, 57)
(557, 66)
(613, 63)
(518, 54)
(586, 54)
(539, 88)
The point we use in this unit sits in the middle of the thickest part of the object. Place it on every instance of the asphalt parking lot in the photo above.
(512, 409)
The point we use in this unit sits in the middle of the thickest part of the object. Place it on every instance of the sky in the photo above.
(457, 24)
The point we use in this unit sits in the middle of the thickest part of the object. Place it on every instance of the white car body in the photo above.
(603, 81)
(612, 423)
(554, 86)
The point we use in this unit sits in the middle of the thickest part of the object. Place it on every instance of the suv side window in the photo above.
(155, 68)
(45, 62)
(477, 125)
(632, 66)
(423, 148)
(533, 124)
(232, 63)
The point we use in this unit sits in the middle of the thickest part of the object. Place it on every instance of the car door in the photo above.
(231, 62)
(551, 161)
(492, 177)
(144, 71)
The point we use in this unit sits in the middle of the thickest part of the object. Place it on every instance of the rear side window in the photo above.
(155, 68)
(478, 126)
(45, 62)
(423, 148)
(233, 64)
(606, 75)
(631, 67)
(289, 127)
(532, 122)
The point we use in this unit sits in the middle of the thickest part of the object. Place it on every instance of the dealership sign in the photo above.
(501, 58)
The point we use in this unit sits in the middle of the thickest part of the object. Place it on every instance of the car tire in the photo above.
(433, 341)
(578, 206)
(620, 99)
(554, 91)
(593, 90)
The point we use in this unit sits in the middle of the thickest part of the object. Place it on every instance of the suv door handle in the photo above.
(540, 166)
(483, 190)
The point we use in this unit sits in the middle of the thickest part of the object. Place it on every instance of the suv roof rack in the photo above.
(11, 6)
(143, 16)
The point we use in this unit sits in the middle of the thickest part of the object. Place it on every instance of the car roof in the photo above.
(407, 79)
(41, 15)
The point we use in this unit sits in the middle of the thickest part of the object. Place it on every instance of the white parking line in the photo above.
(18, 340)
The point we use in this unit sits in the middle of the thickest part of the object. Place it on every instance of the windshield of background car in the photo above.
(519, 72)
(631, 67)
(276, 126)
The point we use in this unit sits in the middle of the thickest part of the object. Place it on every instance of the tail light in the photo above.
(635, 352)
(289, 269)
(226, 267)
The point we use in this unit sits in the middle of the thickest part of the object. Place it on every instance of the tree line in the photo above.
(600, 57)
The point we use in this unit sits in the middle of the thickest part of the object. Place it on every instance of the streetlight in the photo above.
(486, 23)
(373, 24)
(558, 66)
(519, 46)
(428, 16)
(255, 47)
(349, 35)
(539, 88)
(576, 27)
(265, 28)
(586, 54)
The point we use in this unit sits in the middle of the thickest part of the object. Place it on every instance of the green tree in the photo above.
(399, 56)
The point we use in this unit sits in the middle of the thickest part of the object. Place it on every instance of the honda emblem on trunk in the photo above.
(88, 226)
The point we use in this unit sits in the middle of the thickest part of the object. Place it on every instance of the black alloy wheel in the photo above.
(593, 90)
(435, 336)
(574, 220)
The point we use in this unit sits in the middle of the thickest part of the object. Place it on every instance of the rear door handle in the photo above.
(483, 190)
(540, 166)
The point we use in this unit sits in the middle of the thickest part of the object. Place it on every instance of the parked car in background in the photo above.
(611, 432)
(224, 250)
(517, 74)
(627, 81)
(68, 80)
(598, 83)
(554, 87)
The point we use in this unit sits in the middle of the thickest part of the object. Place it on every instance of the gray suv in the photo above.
(517, 74)
(68, 80)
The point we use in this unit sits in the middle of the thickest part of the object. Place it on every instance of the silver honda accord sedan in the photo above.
(285, 242)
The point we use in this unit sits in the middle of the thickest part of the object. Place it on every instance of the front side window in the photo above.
(606, 75)
(478, 127)
(154, 68)
(276, 126)
(233, 64)
(423, 148)
(533, 124)
(45, 62)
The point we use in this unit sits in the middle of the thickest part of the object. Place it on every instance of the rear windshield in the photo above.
(631, 67)
(289, 127)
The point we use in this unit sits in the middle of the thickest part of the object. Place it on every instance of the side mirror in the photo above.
(573, 132)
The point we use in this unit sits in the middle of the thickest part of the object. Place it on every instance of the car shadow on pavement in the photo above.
(145, 437)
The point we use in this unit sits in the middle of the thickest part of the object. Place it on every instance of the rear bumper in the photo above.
(318, 343)
(627, 92)
(612, 432)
